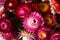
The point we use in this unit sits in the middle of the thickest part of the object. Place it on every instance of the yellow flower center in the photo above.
(44, 7)
(48, 20)
(42, 35)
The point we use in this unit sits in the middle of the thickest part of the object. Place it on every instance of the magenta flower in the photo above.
(43, 33)
(32, 22)
(2, 2)
(55, 36)
(22, 11)
(5, 25)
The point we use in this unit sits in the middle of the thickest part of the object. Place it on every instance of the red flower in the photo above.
(56, 5)
(43, 33)
(50, 19)
(11, 4)
(5, 25)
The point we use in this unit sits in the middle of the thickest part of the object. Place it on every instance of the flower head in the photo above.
(32, 22)
(55, 36)
(56, 5)
(44, 7)
(5, 25)
(22, 11)
(42, 33)
(50, 19)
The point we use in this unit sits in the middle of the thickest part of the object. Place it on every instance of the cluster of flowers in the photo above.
(38, 22)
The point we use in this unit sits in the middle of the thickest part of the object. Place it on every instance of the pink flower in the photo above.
(2, 2)
(32, 22)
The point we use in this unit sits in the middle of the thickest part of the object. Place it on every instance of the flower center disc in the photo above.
(42, 35)
(3, 25)
(43, 7)
(48, 20)
(32, 22)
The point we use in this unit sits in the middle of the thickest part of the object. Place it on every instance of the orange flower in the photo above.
(44, 7)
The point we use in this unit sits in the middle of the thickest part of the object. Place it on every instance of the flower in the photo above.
(5, 25)
(50, 19)
(32, 22)
(22, 11)
(2, 2)
(11, 4)
(55, 36)
(43, 33)
(44, 6)
(56, 5)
